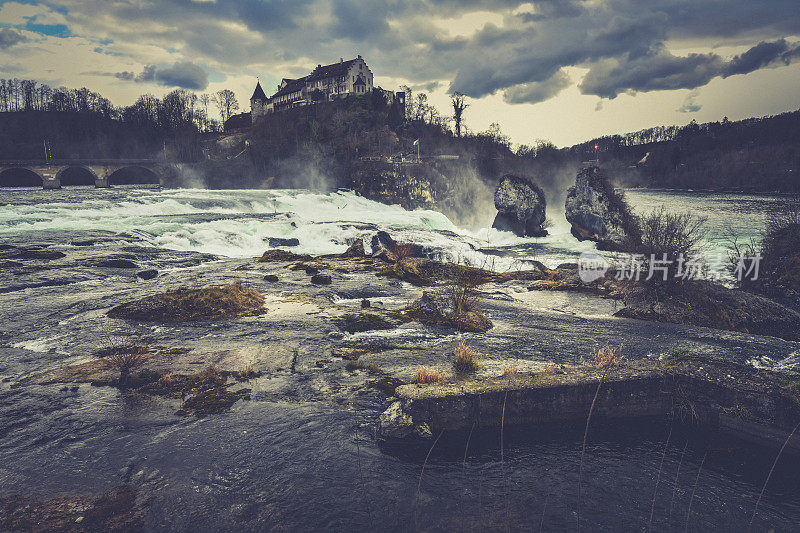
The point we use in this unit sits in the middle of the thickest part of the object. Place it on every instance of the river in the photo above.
(293, 463)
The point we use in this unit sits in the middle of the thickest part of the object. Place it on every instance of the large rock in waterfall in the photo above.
(521, 207)
(598, 213)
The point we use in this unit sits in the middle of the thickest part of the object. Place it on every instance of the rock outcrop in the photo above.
(181, 305)
(386, 248)
(521, 207)
(598, 213)
(410, 185)
(439, 308)
(702, 303)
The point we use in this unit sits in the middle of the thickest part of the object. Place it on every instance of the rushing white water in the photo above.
(239, 223)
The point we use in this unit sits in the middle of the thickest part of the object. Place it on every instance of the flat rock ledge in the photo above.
(756, 404)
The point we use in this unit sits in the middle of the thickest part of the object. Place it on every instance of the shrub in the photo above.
(740, 256)
(463, 290)
(780, 267)
(125, 361)
(427, 375)
(671, 237)
(466, 359)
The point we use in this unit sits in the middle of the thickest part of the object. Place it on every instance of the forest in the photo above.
(79, 123)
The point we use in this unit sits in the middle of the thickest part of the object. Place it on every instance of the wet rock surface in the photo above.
(116, 510)
(307, 380)
(521, 207)
(712, 391)
(708, 304)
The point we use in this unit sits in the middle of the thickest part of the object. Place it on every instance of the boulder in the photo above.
(386, 248)
(598, 213)
(411, 185)
(356, 249)
(147, 274)
(282, 255)
(521, 207)
(321, 279)
(182, 305)
(278, 241)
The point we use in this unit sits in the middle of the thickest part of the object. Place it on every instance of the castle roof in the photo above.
(334, 70)
(258, 94)
(292, 86)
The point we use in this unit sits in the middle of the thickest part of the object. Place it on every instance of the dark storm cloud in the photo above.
(663, 71)
(185, 75)
(9, 38)
(623, 43)
(761, 55)
(534, 92)
(358, 20)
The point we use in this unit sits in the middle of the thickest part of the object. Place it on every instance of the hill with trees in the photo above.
(755, 154)
(328, 143)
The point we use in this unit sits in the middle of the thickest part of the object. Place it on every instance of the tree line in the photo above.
(177, 110)
(83, 123)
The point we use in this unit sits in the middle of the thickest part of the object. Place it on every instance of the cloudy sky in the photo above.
(563, 70)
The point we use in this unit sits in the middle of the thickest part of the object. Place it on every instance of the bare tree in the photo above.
(459, 105)
(226, 102)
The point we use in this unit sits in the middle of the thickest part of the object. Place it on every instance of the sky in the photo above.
(559, 70)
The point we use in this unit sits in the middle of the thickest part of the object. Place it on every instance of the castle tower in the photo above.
(258, 103)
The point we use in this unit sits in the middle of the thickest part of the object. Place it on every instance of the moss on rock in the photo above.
(182, 305)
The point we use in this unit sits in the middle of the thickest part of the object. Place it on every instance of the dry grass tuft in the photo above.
(428, 375)
(246, 374)
(606, 357)
(403, 250)
(466, 359)
(125, 361)
(370, 368)
(510, 371)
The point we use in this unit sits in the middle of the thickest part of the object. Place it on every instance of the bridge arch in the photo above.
(76, 175)
(19, 177)
(133, 174)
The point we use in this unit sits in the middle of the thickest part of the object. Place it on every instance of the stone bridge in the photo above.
(50, 172)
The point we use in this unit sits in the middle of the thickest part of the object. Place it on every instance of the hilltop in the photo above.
(754, 154)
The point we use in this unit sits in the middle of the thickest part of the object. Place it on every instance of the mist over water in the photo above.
(239, 223)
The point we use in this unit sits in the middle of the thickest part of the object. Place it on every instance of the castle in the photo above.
(326, 82)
